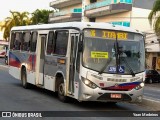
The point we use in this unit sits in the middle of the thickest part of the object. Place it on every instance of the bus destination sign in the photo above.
(107, 34)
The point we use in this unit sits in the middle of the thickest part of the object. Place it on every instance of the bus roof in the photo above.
(80, 25)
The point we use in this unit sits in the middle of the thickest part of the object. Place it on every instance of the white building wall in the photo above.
(139, 19)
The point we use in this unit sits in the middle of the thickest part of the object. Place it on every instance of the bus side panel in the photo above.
(18, 59)
(14, 64)
(50, 69)
(15, 72)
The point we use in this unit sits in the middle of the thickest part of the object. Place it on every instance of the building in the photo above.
(129, 13)
(121, 12)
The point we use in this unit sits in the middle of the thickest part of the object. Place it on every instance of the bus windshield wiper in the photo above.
(129, 67)
(104, 67)
(116, 46)
(118, 58)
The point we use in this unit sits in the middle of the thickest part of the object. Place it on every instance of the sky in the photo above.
(21, 6)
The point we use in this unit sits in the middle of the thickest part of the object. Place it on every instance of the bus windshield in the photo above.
(100, 49)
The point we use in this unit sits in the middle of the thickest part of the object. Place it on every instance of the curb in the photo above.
(153, 104)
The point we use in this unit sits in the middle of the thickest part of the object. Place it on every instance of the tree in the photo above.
(40, 16)
(154, 17)
(16, 19)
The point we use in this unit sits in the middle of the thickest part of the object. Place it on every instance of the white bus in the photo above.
(82, 60)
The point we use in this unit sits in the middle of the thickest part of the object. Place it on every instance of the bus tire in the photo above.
(61, 92)
(24, 79)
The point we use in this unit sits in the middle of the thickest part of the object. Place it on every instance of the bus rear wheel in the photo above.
(61, 92)
(24, 79)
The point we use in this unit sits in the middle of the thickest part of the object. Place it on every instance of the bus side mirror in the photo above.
(80, 46)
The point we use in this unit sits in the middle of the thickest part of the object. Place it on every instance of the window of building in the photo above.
(126, 24)
(115, 1)
(51, 43)
(33, 41)
(26, 42)
(126, 1)
(61, 42)
(77, 10)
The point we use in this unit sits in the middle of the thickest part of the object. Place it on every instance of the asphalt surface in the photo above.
(152, 91)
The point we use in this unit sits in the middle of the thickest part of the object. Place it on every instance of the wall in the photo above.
(124, 16)
(140, 16)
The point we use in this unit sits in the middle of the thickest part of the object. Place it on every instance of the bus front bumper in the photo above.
(89, 94)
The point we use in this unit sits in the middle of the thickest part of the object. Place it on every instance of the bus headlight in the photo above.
(141, 85)
(89, 83)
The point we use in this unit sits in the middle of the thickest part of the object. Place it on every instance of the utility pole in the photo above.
(84, 18)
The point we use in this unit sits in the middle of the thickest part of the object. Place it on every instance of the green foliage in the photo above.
(40, 16)
(22, 18)
(16, 19)
(154, 17)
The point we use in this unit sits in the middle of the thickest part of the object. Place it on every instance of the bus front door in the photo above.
(40, 59)
(73, 51)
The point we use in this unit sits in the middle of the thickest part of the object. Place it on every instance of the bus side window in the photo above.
(61, 42)
(33, 41)
(17, 42)
(12, 40)
(51, 43)
(26, 43)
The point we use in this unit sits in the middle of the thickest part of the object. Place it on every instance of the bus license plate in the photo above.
(116, 96)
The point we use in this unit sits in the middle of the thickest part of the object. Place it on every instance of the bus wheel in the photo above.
(61, 92)
(24, 79)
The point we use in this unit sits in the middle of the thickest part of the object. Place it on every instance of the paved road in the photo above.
(2, 62)
(152, 91)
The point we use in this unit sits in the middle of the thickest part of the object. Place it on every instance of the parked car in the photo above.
(152, 76)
